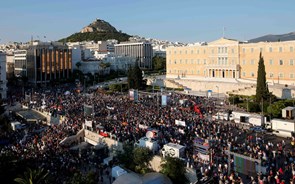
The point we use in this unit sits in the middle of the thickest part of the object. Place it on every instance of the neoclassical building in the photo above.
(233, 59)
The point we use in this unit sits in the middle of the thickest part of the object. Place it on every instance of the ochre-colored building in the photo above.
(227, 58)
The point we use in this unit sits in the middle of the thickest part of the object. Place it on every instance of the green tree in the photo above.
(30, 176)
(135, 78)
(261, 88)
(159, 63)
(275, 109)
(142, 157)
(174, 168)
(130, 79)
(125, 157)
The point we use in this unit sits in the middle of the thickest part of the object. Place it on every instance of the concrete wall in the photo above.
(95, 139)
(237, 87)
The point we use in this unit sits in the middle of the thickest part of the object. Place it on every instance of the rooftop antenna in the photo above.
(32, 39)
(223, 32)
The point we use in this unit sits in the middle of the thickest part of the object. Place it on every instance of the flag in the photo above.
(197, 110)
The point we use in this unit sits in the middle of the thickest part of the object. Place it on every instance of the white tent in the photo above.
(117, 171)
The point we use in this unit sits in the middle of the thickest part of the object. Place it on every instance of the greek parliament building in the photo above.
(48, 61)
(231, 59)
(142, 51)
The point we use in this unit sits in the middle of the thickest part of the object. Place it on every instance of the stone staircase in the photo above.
(175, 84)
(246, 90)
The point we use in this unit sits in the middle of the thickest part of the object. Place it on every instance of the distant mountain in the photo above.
(274, 38)
(99, 30)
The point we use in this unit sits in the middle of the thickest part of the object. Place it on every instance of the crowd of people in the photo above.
(126, 121)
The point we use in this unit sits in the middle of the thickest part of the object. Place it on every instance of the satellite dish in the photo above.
(149, 134)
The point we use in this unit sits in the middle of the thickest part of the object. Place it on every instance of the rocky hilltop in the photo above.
(99, 30)
(99, 26)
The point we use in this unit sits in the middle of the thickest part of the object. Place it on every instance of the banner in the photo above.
(180, 123)
(164, 100)
(88, 110)
(203, 157)
(88, 123)
(133, 95)
(244, 165)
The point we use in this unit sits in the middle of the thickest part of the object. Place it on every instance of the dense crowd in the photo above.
(123, 120)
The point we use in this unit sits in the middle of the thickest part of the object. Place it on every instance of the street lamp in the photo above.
(217, 91)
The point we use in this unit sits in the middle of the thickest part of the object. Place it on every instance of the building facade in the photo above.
(48, 62)
(20, 63)
(3, 81)
(9, 66)
(232, 59)
(142, 51)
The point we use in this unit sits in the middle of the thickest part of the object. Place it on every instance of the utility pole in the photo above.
(262, 120)
(228, 159)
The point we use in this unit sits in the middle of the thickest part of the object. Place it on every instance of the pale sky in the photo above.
(173, 20)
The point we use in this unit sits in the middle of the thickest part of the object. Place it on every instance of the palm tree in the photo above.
(33, 177)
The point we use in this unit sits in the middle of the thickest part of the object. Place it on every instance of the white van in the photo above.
(283, 133)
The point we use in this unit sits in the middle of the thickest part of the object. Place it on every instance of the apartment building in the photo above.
(142, 51)
(20, 63)
(3, 88)
(233, 59)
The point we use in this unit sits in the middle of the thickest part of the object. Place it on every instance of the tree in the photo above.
(159, 63)
(275, 109)
(130, 79)
(33, 177)
(124, 157)
(142, 157)
(135, 78)
(262, 92)
(174, 168)
(136, 159)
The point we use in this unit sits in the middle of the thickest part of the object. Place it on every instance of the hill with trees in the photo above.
(99, 30)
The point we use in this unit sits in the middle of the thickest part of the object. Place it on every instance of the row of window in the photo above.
(221, 61)
(224, 61)
(280, 62)
(223, 50)
(198, 72)
(270, 49)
